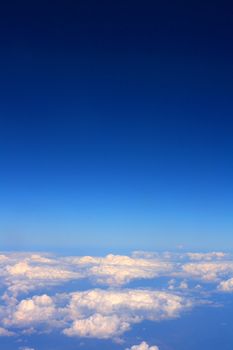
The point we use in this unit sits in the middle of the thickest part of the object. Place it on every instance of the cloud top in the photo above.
(143, 346)
(109, 305)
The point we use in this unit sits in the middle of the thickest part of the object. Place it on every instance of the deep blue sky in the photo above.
(116, 125)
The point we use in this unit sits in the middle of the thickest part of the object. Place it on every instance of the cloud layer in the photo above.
(107, 307)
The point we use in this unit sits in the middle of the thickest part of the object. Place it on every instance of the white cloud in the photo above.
(143, 346)
(27, 274)
(183, 285)
(39, 309)
(93, 313)
(3, 258)
(208, 271)
(226, 286)
(118, 269)
(22, 272)
(112, 310)
(22, 268)
(115, 310)
(98, 326)
(5, 333)
(41, 259)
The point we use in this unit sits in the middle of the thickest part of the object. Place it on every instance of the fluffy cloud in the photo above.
(172, 285)
(104, 313)
(226, 286)
(210, 271)
(30, 311)
(98, 326)
(132, 302)
(94, 313)
(111, 310)
(143, 346)
(117, 269)
(5, 333)
(3, 258)
(24, 272)
(36, 272)
(40, 272)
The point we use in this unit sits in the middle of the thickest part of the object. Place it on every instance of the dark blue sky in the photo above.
(116, 124)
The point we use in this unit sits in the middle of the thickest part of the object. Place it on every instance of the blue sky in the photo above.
(116, 168)
(116, 127)
(132, 176)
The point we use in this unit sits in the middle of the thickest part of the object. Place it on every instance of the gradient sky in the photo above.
(116, 125)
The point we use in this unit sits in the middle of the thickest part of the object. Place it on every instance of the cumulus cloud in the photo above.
(210, 271)
(143, 346)
(40, 272)
(34, 272)
(109, 308)
(32, 311)
(98, 326)
(39, 308)
(5, 333)
(104, 313)
(226, 286)
(23, 272)
(95, 313)
(117, 269)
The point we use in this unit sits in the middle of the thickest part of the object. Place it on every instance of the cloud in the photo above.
(210, 271)
(183, 285)
(109, 308)
(94, 313)
(107, 313)
(41, 259)
(3, 258)
(5, 333)
(172, 285)
(206, 256)
(37, 310)
(98, 326)
(40, 272)
(226, 286)
(24, 272)
(35, 272)
(119, 269)
(143, 346)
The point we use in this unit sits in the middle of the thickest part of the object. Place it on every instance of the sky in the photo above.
(116, 168)
(116, 126)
